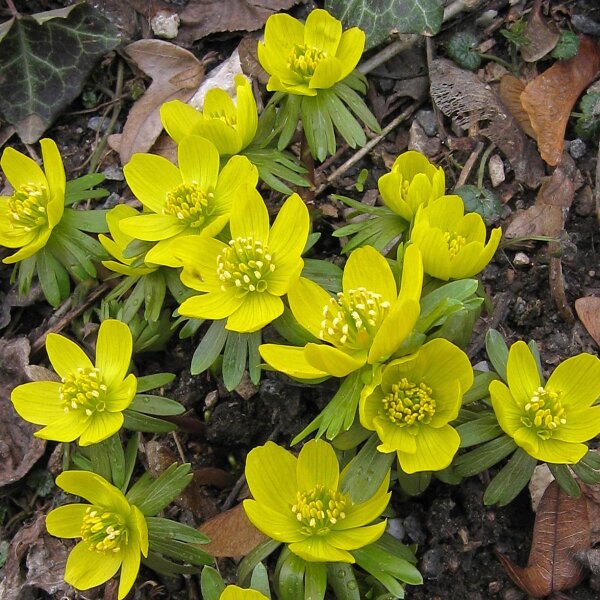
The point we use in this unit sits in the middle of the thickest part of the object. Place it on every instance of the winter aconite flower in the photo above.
(245, 278)
(412, 182)
(365, 323)
(298, 501)
(113, 532)
(89, 400)
(452, 244)
(412, 400)
(229, 126)
(551, 421)
(233, 592)
(36, 206)
(194, 199)
(302, 58)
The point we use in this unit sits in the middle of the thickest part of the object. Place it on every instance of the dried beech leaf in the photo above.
(543, 35)
(231, 534)
(510, 91)
(592, 494)
(176, 75)
(248, 51)
(550, 97)
(588, 311)
(19, 450)
(561, 528)
(461, 95)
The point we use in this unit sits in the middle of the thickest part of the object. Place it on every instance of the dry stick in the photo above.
(469, 164)
(38, 344)
(597, 186)
(365, 149)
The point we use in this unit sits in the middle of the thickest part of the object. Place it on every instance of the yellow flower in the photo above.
(412, 182)
(194, 199)
(366, 323)
(298, 501)
(36, 206)
(412, 400)
(452, 244)
(245, 278)
(233, 592)
(120, 240)
(303, 58)
(114, 532)
(230, 127)
(550, 422)
(89, 400)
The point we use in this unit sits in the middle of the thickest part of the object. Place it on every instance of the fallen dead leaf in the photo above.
(461, 95)
(588, 311)
(561, 528)
(550, 97)
(176, 74)
(542, 34)
(231, 534)
(510, 91)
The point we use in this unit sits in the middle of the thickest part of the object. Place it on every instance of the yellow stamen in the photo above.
(103, 531)
(303, 60)
(319, 508)
(83, 390)
(544, 413)
(409, 403)
(455, 242)
(189, 204)
(27, 207)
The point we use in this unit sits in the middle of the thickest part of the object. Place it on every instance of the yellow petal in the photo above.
(435, 450)
(275, 524)
(152, 227)
(247, 114)
(113, 352)
(64, 429)
(214, 305)
(65, 521)
(322, 32)
(351, 539)
(327, 73)
(307, 300)
(522, 373)
(66, 356)
(249, 216)
(367, 268)
(256, 310)
(199, 162)
(350, 50)
(129, 568)
(237, 172)
(317, 549)
(578, 379)
(333, 361)
(317, 465)
(86, 568)
(507, 411)
(179, 119)
(55, 171)
(95, 489)
(289, 360)
(21, 170)
(38, 402)
(101, 426)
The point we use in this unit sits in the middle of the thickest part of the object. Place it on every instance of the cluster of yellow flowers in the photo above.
(381, 332)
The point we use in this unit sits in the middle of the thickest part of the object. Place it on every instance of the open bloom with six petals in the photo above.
(36, 206)
(114, 532)
(365, 323)
(245, 278)
(550, 422)
(412, 182)
(303, 58)
(194, 199)
(411, 402)
(229, 126)
(89, 400)
(452, 244)
(298, 501)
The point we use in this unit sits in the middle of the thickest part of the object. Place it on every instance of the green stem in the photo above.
(500, 61)
(481, 169)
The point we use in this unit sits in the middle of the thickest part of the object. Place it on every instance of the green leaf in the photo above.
(497, 352)
(151, 382)
(160, 564)
(260, 580)
(288, 118)
(136, 421)
(343, 121)
(99, 456)
(288, 328)
(25, 271)
(116, 456)
(249, 562)
(156, 405)
(482, 201)
(80, 188)
(414, 484)
(377, 18)
(380, 231)
(586, 473)
(315, 581)
(210, 347)
(511, 479)
(93, 221)
(484, 457)
(342, 579)
(462, 49)
(235, 356)
(326, 274)
(172, 530)
(356, 104)
(318, 127)
(155, 289)
(211, 584)
(480, 388)
(130, 459)
(479, 431)
(591, 459)
(254, 361)
(179, 550)
(289, 576)
(44, 66)
(567, 46)
(53, 277)
(565, 479)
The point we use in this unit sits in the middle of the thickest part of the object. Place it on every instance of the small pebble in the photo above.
(521, 259)
(427, 121)
(431, 563)
(395, 528)
(496, 170)
(97, 124)
(113, 173)
(577, 148)
(165, 24)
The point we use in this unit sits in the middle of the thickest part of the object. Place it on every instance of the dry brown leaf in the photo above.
(543, 35)
(248, 51)
(561, 528)
(461, 95)
(550, 97)
(588, 311)
(231, 534)
(176, 75)
(510, 91)
(203, 17)
(592, 494)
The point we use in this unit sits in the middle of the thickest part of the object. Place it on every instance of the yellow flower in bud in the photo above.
(550, 422)
(452, 244)
(229, 126)
(411, 402)
(113, 532)
(303, 58)
(412, 182)
(298, 501)
(29, 215)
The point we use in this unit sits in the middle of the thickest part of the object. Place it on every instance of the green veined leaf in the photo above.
(209, 347)
(485, 456)
(497, 352)
(235, 356)
(511, 479)
(152, 382)
(156, 405)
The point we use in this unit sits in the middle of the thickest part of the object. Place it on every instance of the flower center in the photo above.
(319, 509)
(455, 242)
(409, 403)
(544, 412)
(303, 60)
(83, 389)
(189, 204)
(353, 318)
(103, 531)
(246, 263)
(228, 119)
(27, 207)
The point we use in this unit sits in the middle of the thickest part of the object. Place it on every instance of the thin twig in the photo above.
(469, 164)
(500, 313)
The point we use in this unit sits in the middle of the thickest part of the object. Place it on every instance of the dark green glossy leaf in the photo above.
(484, 457)
(210, 347)
(152, 382)
(235, 356)
(211, 584)
(497, 352)
(342, 579)
(156, 405)
(511, 479)
(565, 479)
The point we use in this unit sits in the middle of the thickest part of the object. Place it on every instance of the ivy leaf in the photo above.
(44, 62)
(378, 18)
